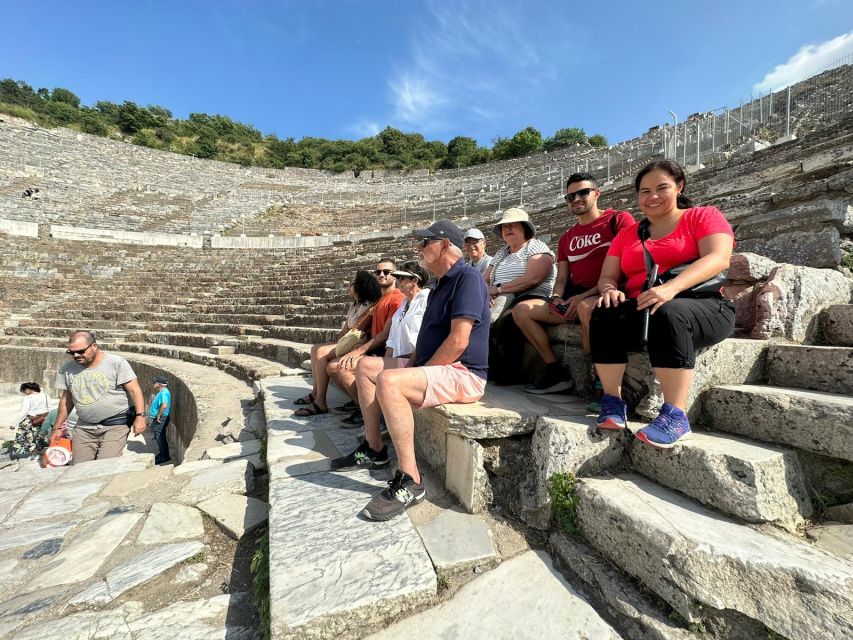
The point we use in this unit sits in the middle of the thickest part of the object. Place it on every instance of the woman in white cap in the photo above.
(524, 268)
(406, 322)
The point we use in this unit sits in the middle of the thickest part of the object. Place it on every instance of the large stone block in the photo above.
(805, 215)
(828, 369)
(818, 422)
(837, 325)
(465, 475)
(819, 247)
(569, 445)
(757, 483)
(749, 267)
(692, 556)
(792, 298)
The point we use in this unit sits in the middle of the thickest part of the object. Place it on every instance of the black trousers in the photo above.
(676, 330)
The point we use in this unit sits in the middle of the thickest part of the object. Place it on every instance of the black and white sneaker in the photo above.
(555, 378)
(353, 421)
(362, 458)
(399, 495)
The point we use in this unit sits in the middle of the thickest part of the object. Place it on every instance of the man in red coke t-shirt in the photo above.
(580, 254)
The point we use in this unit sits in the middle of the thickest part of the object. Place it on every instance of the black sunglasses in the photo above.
(382, 272)
(77, 352)
(580, 193)
(425, 241)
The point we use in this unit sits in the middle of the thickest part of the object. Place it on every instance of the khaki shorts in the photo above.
(98, 443)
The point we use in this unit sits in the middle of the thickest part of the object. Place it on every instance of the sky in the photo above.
(345, 69)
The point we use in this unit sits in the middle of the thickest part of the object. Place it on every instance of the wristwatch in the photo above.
(498, 287)
(140, 414)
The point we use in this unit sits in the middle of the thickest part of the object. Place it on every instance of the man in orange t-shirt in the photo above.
(342, 371)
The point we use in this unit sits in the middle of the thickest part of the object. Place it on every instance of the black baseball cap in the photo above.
(443, 229)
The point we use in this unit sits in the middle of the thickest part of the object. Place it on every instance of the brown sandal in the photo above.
(310, 410)
(309, 399)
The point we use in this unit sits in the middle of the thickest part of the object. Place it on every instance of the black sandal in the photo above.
(309, 399)
(310, 410)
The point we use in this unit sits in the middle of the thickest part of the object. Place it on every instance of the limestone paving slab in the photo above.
(194, 466)
(455, 539)
(34, 533)
(278, 395)
(108, 467)
(819, 422)
(229, 477)
(757, 483)
(28, 474)
(234, 450)
(53, 501)
(688, 554)
(168, 522)
(193, 620)
(126, 484)
(236, 515)
(9, 499)
(89, 549)
(137, 570)
(835, 538)
(329, 566)
(523, 598)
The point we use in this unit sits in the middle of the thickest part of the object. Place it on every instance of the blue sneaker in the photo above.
(668, 428)
(613, 415)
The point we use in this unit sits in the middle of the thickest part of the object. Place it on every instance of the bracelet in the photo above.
(608, 288)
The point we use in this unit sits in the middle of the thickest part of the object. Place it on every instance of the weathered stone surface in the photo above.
(688, 554)
(805, 215)
(194, 466)
(233, 451)
(743, 298)
(454, 539)
(235, 515)
(791, 300)
(167, 522)
(430, 443)
(221, 351)
(44, 548)
(819, 248)
(813, 421)
(753, 482)
(569, 445)
(194, 620)
(329, 566)
(53, 501)
(137, 570)
(230, 477)
(81, 559)
(295, 450)
(9, 499)
(91, 625)
(34, 532)
(840, 513)
(828, 369)
(837, 539)
(465, 476)
(29, 473)
(523, 598)
(127, 484)
(636, 616)
(108, 467)
(837, 325)
(732, 361)
(750, 267)
(191, 573)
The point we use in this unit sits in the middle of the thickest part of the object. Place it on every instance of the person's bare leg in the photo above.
(366, 373)
(529, 316)
(345, 379)
(397, 390)
(585, 309)
(320, 356)
(611, 378)
(675, 384)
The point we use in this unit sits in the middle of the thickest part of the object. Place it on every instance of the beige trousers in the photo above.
(98, 443)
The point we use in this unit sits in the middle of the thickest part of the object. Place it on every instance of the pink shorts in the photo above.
(451, 383)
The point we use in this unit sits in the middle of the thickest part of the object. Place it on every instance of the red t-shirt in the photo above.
(680, 246)
(584, 246)
(385, 308)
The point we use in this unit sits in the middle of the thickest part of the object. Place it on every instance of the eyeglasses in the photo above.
(425, 241)
(472, 241)
(77, 352)
(580, 193)
(382, 272)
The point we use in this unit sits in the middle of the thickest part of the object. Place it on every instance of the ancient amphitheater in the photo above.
(221, 277)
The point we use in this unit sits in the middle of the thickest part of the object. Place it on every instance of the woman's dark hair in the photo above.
(31, 386)
(672, 168)
(412, 266)
(366, 287)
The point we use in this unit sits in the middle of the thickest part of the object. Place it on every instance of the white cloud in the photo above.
(364, 128)
(809, 60)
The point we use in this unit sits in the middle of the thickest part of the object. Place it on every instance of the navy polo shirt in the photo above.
(460, 293)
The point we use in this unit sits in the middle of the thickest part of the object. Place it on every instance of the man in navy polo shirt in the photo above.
(449, 365)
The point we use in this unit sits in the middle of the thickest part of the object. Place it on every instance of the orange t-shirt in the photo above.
(385, 308)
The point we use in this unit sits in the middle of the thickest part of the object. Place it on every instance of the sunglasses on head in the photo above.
(382, 272)
(580, 193)
(78, 352)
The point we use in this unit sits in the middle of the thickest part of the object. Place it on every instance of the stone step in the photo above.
(330, 568)
(818, 422)
(523, 598)
(753, 482)
(836, 323)
(310, 335)
(828, 369)
(702, 563)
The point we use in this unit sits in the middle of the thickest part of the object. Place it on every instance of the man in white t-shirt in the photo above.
(475, 247)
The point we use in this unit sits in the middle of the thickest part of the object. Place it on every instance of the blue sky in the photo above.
(346, 69)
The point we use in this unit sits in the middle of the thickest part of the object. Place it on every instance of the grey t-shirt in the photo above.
(482, 265)
(97, 391)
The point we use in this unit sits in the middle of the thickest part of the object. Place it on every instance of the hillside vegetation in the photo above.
(218, 137)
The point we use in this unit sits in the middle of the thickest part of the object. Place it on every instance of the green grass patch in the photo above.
(561, 489)
(261, 584)
(195, 559)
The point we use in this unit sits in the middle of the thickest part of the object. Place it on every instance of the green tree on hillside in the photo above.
(565, 137)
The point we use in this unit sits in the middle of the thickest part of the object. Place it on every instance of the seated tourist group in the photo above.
(411, 342)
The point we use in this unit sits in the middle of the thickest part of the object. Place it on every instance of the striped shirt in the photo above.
(508, 266)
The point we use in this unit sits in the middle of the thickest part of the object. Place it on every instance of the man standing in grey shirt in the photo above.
(475, 247)
(102, 387)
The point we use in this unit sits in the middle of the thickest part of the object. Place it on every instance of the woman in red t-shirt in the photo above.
(679, 233)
